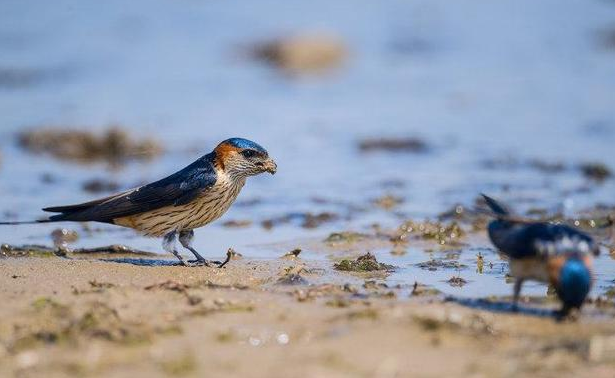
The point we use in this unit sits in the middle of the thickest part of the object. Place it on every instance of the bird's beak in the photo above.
(270, 166)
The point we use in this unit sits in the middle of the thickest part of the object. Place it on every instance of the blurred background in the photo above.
(376, 111)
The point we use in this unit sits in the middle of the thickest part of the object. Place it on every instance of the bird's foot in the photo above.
(191, 263)
(182, 261)
(204, 262)
(199, 262)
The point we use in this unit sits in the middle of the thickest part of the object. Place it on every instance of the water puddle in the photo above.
(406, 126)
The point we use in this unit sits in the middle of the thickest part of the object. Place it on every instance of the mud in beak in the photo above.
(270, 166)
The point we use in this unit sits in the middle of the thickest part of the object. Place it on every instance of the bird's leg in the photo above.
(516, 292)
(185, 238)
(168, 244)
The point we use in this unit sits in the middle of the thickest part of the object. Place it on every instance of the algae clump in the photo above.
(364, 263)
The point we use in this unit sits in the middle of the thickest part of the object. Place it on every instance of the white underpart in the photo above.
(565, 245)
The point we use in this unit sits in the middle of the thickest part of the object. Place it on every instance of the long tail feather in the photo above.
(26, 222)
(495, 206)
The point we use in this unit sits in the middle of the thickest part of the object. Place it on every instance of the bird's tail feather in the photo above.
(26, 222)
(498, 208)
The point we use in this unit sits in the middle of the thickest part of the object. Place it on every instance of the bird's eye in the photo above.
(248, 153)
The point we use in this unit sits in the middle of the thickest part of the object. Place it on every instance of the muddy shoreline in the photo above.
(137, 315)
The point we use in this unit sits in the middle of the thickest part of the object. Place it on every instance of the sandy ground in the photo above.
(92, 318)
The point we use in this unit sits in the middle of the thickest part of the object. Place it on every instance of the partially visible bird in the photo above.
(174, 206)
(553, 253)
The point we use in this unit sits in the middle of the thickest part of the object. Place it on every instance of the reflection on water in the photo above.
(475, 81)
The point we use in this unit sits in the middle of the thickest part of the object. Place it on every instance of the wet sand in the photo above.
(87, 317)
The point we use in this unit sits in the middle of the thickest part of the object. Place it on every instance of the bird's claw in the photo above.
(207, 263)
(204, 262)
(198, 262)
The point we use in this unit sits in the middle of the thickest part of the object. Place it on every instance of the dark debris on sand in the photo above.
(24, 77)
(57, 323)
(301, 55)
(477, 220)
(443, 233)
(33, 250)
(408, 145)
(17, 78)
(435, 264)
(607, 37)
(294, 275)
(294, 254)
(512, 163)
(100, 186)
(388, 202)
(114, 145)
(364, 263)
(420, 290)
(7, 250)
(595, 171)
(237, 223)
(292, 279)
(63, 236)
(345, 237)
(456, 281)
(305, 220)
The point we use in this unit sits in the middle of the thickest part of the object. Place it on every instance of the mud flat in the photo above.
(92, 316)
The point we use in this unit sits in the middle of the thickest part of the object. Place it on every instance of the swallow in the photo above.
(174, 206)
(556, 254)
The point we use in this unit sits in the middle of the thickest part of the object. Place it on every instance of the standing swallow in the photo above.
(174, 206)
(553, 253)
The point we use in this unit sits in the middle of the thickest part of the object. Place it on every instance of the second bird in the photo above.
(553, 253)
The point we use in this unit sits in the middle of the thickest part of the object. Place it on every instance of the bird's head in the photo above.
(573, 280)
(241, 158)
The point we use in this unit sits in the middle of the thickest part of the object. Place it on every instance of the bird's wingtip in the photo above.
(52, 209)
(495, 206)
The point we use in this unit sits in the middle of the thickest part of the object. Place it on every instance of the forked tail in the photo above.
(26, 222)
(495, 206)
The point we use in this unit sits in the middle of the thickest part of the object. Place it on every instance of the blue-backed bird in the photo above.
(553, 253)
(174, 206)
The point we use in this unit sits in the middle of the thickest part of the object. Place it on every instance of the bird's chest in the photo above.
(530, 268)
(214, 202)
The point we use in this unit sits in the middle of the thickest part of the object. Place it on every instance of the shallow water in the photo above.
(478, 81)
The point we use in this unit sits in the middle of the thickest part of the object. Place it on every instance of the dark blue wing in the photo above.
(520, 240)
(177, 189)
